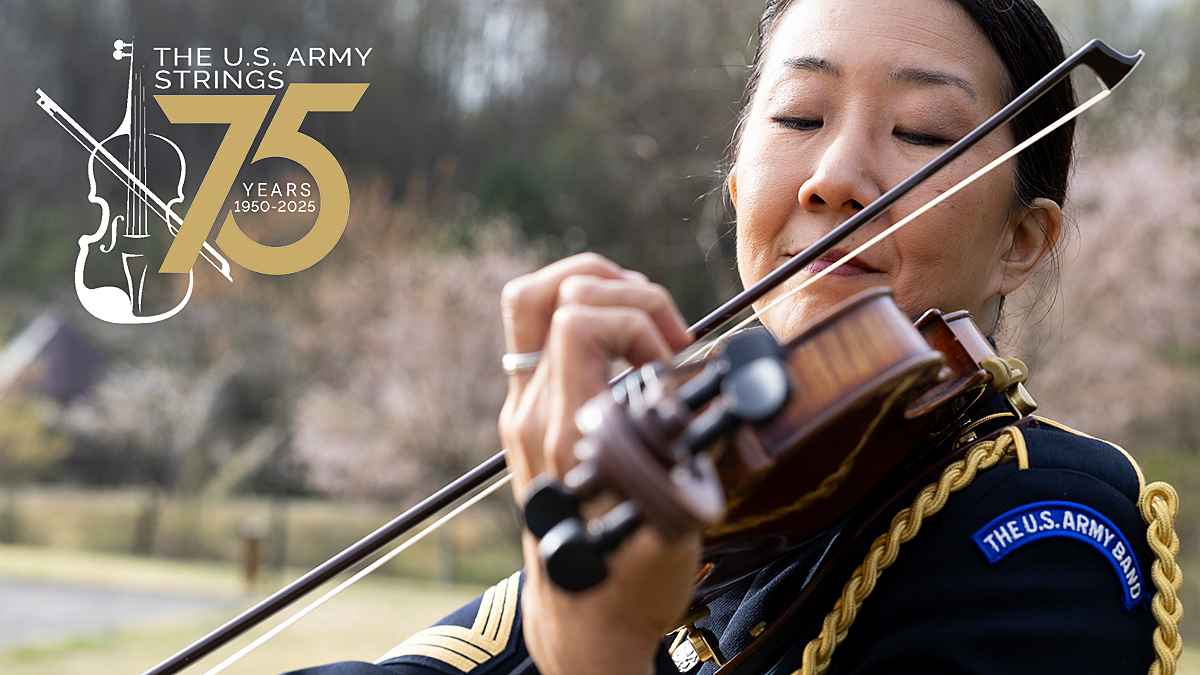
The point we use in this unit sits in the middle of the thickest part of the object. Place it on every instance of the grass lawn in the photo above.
(361, 624)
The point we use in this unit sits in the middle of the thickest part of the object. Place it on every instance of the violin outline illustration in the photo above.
(111, 303)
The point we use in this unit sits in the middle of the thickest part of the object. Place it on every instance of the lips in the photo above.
(852, 268)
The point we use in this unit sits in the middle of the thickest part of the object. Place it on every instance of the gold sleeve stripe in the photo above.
(1133, 462)
(487, 605)
(453, 643)
(464, 648)
(444, 655)
(504, 610)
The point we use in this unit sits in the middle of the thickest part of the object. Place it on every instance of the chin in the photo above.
(794, 315)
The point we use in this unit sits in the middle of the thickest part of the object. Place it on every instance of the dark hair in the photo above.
(1029, 47)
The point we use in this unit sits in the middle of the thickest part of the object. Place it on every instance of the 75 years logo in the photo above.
(137, 177)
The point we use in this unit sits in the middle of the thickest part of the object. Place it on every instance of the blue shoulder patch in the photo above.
(1040, 520)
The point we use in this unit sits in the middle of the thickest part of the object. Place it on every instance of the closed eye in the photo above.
(913, 138)
(798, 124)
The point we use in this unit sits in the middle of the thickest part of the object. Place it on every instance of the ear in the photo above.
(1033, 237)
(731, 184)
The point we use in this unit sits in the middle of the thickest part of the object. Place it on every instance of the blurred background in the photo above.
(156, 479)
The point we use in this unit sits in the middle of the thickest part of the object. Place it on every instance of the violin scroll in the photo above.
(675, 485)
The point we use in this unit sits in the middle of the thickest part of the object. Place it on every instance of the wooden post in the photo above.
(252, 531)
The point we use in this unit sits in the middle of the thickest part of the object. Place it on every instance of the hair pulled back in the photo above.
(1029, 47)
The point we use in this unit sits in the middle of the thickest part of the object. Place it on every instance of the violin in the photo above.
(764, 446)
(116, 260)
(760, 446)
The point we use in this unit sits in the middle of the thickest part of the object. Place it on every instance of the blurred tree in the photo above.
(193, 408)
(155, 418)
(1118, 355)
(413, 400)
(29, 449)
(1161, 101)
(1125, 328)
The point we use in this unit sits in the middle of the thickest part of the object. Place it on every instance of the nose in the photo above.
(841, 184)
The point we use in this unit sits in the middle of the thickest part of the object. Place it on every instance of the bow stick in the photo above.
(1111, 68)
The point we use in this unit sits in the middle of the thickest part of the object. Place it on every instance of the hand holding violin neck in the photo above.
(674, 485)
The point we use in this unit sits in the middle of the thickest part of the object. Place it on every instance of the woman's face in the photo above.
(854, 96)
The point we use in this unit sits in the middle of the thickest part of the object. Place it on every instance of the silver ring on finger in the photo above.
(520, 363)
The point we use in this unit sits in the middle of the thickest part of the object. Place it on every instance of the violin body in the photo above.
(116, 269)
(874, 391)
(871, 392)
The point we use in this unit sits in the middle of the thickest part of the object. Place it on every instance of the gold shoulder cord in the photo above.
(1158, 504)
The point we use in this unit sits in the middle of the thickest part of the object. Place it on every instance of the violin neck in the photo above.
(136, 209)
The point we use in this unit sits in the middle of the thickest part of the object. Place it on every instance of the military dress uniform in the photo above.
(1037, 566)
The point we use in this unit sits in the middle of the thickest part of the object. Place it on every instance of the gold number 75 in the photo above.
(245, 116)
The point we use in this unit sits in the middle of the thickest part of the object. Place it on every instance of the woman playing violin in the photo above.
(845, 100)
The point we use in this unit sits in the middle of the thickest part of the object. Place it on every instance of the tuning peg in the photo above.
(750, 345)
(704, 387)
(758, 390)
(616, 525)
(571, 558)
(574, 556)
(754, 392)
(119, 48)
(741, 349)
(549, 503)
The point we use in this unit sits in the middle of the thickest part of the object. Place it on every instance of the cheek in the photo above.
(948, 257)
(767, 197)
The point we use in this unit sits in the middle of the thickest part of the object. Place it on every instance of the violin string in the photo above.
(134, 137)
(136, 141)
(358, 576)
(145, 142)
(141, 140)
(129, 203)
(906, 220)
(141, 151)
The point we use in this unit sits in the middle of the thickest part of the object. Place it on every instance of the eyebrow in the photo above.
(812, 64)
(924, 77)
(909, 75)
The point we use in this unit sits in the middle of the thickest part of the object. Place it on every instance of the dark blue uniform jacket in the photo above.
(1037, 570)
